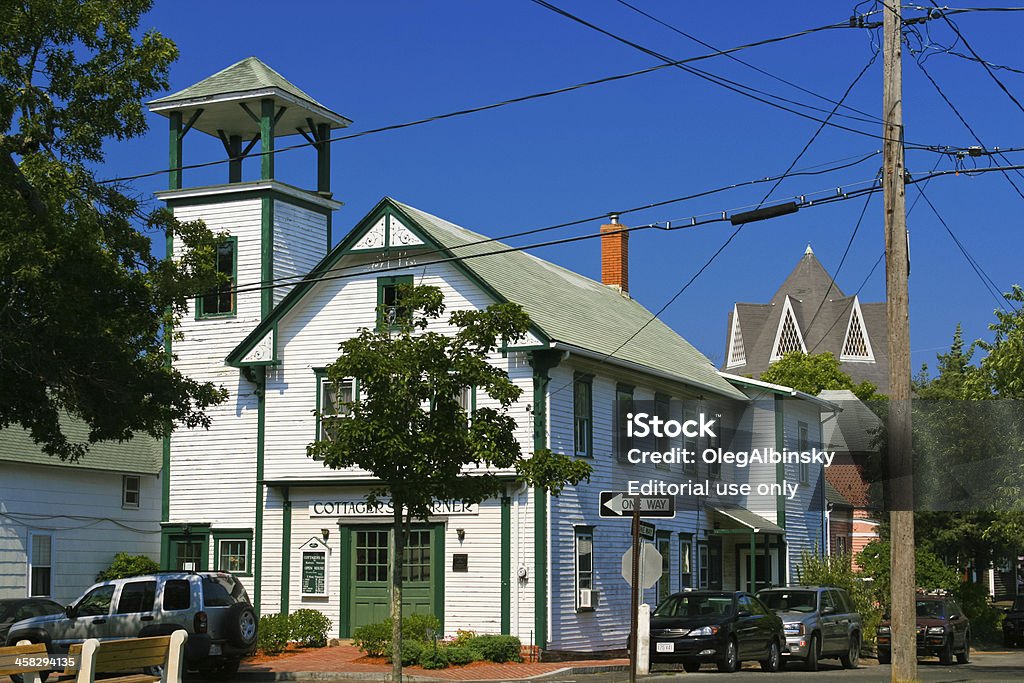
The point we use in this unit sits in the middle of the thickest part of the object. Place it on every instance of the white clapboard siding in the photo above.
(804, 514)
(213, 473)
(472, 599)
(300, 242)
(759, 425)
(81, 510)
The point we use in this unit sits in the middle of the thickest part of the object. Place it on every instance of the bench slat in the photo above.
(10, 655)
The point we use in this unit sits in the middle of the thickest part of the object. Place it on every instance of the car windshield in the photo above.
(929, 609)
(790, 601)
(695, 606)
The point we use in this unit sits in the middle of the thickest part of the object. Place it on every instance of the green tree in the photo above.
(931, 572)
(814, 373)
(408, 429)
(1004, 364)
(83, 301)
(125, 566)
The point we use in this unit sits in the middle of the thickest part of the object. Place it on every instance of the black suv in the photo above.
(1013, 623)
(942, 630)
(212, 606)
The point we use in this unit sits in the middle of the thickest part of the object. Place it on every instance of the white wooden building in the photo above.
(61, 523)
(244, 497)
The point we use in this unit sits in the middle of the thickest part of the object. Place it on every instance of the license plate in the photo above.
(666, 647)
(215, 649)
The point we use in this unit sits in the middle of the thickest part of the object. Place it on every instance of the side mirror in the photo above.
(743, 613)
(828, 610)
(69, 611)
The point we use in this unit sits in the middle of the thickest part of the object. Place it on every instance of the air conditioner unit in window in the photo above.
(588, 598)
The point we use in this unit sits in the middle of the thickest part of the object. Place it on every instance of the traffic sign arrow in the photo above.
(621, 504)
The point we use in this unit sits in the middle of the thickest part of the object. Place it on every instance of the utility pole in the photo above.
(900, 458)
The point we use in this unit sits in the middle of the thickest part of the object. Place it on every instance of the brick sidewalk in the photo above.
(339, 663)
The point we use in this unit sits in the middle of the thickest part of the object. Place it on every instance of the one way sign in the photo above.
(620, 504)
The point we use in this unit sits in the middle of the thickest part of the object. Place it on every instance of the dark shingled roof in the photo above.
(815, 299)
(141, 455)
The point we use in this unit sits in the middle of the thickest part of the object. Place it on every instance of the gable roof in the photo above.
(566, 307)
(141, 455)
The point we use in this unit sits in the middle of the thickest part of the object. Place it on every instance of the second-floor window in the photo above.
(803, 445)
(391, 312)
(582, 412)
(221, 300)
(335, 400)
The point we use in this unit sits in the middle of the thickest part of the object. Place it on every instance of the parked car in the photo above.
(723, 627)
(942, 630)
(819, 621)
(1013, 623)
(213, 607)
(16, 609)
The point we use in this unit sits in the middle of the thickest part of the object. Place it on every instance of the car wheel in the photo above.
(965, 656)
(813, 650)
(946, 653)
(884, 657)
(852, 656)
(774, 658)
(691, 667)
(221, 669)
(730, 661)
(241, 625)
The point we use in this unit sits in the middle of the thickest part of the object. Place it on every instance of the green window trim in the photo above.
(663, 543)
(388, 288)
(221, 535)
(201, 313)
(690, 443)
(623, 392)
(583, 414)
(173, 534)
(320, 375)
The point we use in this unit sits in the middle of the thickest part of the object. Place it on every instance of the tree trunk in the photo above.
(397, 548)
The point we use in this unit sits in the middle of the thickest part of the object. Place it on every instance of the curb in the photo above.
(268, 676)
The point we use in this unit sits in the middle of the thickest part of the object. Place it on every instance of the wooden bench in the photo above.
(13, 660)
(130, 654)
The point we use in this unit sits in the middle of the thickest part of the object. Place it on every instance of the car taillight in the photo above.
(201, 622)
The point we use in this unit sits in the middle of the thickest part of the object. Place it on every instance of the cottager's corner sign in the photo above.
(359, 507)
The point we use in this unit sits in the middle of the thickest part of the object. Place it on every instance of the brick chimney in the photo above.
(615, 255)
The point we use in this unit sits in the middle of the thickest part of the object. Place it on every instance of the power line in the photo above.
(817, 169)
(981, 61)
(744, 63)
(966, 125)
(720, 81)
(986, 281)
(486, 107)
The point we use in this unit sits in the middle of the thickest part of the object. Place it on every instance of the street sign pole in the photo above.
(635, 598)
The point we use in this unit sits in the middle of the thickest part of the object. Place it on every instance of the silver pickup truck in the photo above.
(819, 621)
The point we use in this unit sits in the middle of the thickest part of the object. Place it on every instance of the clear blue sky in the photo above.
(631, 142)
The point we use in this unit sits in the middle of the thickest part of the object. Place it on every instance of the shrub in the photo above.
(986, 621)
(273, 633)
(433, 658)
(373, 639)
(497, 649)
(125, 566)
(412, 652)
(461, 655)
(309, 627)
(421, 627)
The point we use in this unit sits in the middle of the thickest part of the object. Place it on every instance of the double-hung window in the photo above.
(583, 413)
(802, 446)
(335, 401)
(221, 300)
(662, 443)
(131, 486)
(40, 567)
(623, 393)
(584, 563)
(391, 313)
(690, 445)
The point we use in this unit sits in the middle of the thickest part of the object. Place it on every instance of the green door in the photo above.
(370, 579)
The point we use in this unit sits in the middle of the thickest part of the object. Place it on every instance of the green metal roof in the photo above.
(576, 310)
(564, 306)
(141, 455)
(248, 74)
